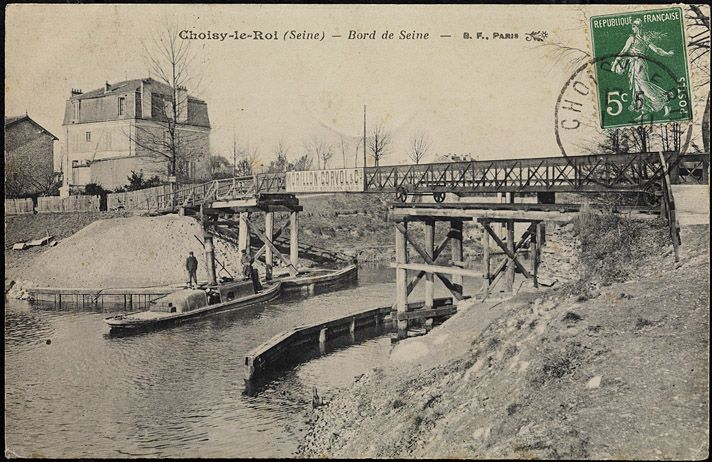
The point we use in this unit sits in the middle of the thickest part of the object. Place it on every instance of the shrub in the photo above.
(613, 244)
(137, 182)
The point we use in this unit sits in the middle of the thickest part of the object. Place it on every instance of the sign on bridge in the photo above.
(336, 180)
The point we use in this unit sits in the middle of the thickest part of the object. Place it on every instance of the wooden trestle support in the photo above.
(225, 217)
(451, 273)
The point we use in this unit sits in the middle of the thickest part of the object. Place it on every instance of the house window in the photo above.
(75, 114)
(88, 136)
(122, 106)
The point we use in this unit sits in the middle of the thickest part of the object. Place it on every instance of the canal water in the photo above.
(71, 390)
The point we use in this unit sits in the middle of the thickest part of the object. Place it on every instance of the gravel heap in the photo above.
(126, 252)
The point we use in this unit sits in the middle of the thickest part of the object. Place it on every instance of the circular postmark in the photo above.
(609, 116)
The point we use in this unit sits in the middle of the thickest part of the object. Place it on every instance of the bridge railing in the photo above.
(638, 172)
(624, 172)
(691, 169)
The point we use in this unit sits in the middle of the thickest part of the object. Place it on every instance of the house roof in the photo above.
(10, 121)
(130, 86)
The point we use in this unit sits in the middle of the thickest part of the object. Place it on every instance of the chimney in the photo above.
(76, 91)
(146, 105)
(107, 87)
(182, 104)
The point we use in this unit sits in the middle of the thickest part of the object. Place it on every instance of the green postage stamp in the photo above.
(641, 67)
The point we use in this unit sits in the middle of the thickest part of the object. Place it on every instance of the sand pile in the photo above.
(124, 252)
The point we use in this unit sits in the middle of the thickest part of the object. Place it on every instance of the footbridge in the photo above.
(225, 208)
(639, 173)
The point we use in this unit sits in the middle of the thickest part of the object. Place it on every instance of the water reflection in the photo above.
(177, 392)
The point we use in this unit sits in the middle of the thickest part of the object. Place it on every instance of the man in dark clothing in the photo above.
(246, 263)
(191, 264)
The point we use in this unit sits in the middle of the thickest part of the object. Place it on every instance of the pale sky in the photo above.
(491, 98)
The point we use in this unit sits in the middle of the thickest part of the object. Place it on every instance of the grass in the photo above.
(612, 245)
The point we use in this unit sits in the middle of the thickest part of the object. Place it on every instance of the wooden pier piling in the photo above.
(244, 233)
(210, 257)
(294, 238)
(509, 280)
(269, 233)
(401, 285)
(429, 276)
(486, 258)
(456, 251)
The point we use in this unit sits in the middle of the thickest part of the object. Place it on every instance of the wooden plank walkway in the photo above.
(128, 298)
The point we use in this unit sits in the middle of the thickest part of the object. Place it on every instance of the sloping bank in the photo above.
(592, 369)
(124, 252)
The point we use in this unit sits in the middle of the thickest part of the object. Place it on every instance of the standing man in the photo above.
(246, 263)
(191, 264)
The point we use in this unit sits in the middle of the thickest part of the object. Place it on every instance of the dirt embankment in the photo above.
(104, 250)
(122, 252)
(618, 372)
(23, 228)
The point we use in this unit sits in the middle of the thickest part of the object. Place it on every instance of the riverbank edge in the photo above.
(539, 376)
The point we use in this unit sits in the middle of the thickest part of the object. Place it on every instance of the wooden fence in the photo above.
(18, 206)
(68, 204)
(155, 198)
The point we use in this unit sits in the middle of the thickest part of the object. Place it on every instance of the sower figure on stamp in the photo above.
(191, 265)
(647, 96)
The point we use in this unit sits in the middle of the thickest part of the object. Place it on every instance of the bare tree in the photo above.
(321, 151)
(419, 146)
(378, 143)
(170, 61)
(670, 136)
(698, 33)
(615, 141)
(343, 150)
(280, 162)
(246, 160)
(220, 167)
(24, 176)
(303, 162)
(564, 53)
(358, 147)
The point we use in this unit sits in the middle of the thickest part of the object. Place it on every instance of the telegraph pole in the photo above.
(364, 140)
(234, 155)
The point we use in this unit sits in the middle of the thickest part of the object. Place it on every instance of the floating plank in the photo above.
(437, 269)
(269, 352)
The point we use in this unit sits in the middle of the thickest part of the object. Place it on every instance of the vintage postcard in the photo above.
(357, 231)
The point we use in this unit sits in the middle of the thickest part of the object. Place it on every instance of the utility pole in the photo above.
(234, 155)
(364, 142)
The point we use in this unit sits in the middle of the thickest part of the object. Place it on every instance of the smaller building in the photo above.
(29, 158)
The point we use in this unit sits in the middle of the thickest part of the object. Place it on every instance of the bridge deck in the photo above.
(516, 212)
